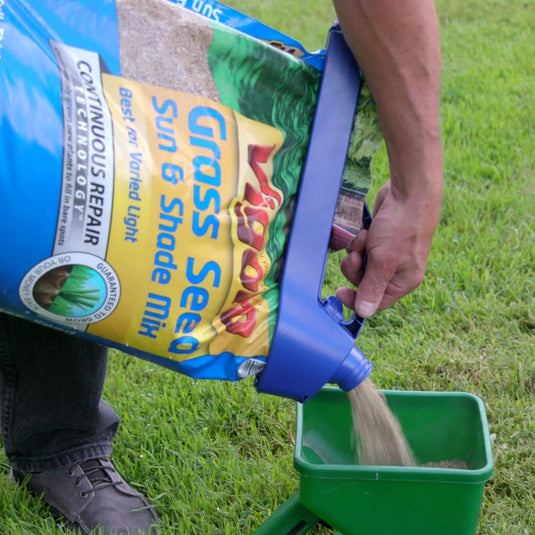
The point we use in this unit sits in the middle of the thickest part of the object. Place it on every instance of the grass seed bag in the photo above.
(150, 152)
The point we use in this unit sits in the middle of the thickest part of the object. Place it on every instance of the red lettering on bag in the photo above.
(260, 154)
(241, 318)
(247, 217)
(253, 220)
(250, 262)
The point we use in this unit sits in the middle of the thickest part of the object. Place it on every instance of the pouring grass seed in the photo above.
(380, 438)
(381, 441)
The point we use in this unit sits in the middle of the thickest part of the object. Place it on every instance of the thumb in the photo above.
(371, 290)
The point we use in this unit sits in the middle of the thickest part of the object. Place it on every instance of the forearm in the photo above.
(397, 46)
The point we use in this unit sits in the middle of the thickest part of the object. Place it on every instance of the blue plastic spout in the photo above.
(312, 346)
(353, 370)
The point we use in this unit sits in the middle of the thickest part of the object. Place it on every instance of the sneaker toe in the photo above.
(121, 510)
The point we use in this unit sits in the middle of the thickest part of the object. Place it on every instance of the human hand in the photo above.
(397, 247)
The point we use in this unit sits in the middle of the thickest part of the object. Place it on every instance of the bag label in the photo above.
(153, 250)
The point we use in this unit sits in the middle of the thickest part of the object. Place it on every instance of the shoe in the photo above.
(93, 495)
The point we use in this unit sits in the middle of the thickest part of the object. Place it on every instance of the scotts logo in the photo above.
(253, 217)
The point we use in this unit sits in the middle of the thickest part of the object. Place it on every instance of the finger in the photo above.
(359, 242)
(372, 288)
(378, 291)
(352, 264)
(346, 296)
(401, 284)
(352, 267)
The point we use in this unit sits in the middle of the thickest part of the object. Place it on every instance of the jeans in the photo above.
(50, 397)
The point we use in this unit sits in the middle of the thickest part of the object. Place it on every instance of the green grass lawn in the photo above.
(216, 458)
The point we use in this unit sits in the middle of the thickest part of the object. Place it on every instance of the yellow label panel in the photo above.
(193, 200)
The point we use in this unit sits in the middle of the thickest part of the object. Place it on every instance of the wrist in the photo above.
(416, 172)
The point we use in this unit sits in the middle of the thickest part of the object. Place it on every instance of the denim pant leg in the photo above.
(50, 397)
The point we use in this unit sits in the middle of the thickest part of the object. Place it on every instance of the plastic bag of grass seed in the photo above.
(149, 153)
